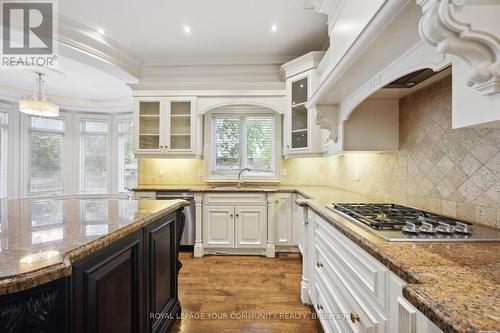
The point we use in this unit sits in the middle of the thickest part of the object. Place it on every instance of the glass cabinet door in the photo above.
(149, 125)
(299, 117)
(180, 125)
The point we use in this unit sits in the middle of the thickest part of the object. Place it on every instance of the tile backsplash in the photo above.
(452, 172)
(455, 172)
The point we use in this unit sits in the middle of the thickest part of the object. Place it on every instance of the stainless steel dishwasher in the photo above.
(188, 237)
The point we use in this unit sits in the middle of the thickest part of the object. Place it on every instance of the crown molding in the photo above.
(301, 64)
(120, 105)
(210, 73)
(78, 37)
(442, 27)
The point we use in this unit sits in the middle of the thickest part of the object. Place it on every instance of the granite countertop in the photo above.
(456, 285)
(75, 228)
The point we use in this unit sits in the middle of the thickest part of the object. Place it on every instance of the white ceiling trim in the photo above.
(76, 36)
(125, 104)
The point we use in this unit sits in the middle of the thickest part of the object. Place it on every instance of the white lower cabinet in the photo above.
(235, 223)
(219, 226)
(283, 223)
(405, 318)
(350, 290)
(250, 227)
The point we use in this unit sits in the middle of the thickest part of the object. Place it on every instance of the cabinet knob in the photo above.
(319, 265)
(237, 215)
(230, 215)
(354, 317)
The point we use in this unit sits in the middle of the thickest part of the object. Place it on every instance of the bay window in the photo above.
(244, 141)
(46, 155)
(127, 163)
(3, 153)
(94, 156)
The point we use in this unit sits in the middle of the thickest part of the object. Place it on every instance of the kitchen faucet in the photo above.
(239, 183)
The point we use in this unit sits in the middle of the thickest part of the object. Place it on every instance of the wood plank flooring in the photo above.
(216, 293)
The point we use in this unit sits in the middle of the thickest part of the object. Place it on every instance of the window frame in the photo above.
(119, 136)
(4, 155)
(64, 167)
(214, 175)
(79, 158)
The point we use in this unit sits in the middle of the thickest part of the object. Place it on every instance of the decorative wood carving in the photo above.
(326, 117)
(441, 27)
(34, 312)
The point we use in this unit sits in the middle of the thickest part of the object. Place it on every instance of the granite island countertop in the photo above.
(456, 285)
(75, 228)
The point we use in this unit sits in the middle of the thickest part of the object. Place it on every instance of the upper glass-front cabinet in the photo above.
(299, 121)
(299, 115)
(149, 125)
(164, 126)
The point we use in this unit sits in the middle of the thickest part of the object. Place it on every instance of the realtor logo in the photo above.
(28, 34)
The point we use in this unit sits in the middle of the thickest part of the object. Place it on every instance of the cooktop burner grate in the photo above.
(390, 216)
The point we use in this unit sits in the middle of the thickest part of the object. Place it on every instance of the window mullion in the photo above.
(243, 142)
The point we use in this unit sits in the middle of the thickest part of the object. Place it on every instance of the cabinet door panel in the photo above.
(284, 223)
(250, 227)
(108, 289)
(161, 243)
(218, 226)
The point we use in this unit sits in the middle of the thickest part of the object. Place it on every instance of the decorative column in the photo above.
(198, 243)
(271, 221)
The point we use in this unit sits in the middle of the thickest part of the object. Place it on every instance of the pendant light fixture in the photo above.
(38, 104)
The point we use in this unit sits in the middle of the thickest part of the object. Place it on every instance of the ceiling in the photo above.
(222, 31)
(75, 84)
(150, 35)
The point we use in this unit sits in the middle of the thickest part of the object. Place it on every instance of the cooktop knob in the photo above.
(426, 228)
(445, 228)
(410, 227)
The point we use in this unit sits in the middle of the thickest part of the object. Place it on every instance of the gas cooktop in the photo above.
(400, 223)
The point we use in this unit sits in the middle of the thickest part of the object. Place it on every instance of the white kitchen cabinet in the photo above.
(219, 226)
(250, 227)
(298, 223)
(405, 318)
(284, 220)
(165, 127)
(302, 136)
(235, 223)
(342, 278)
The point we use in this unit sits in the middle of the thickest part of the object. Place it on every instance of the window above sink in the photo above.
(242, 137)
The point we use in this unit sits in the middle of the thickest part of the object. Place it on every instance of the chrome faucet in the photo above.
(239, 184)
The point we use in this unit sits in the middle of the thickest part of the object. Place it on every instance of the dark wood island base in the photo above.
(130, 285)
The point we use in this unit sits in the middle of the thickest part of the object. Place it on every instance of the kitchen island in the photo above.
(89, 265)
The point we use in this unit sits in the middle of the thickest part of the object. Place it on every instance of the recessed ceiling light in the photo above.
(187, 29)
(302, 85)
(274, 28)
(101, 31)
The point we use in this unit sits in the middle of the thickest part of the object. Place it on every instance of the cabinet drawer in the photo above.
(235, 199)
(356, 264)
(362, 314)
(329, 314)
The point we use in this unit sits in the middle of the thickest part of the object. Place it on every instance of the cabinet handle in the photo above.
(318, 264)
(354, 318)
(237, 215)
(230, 215)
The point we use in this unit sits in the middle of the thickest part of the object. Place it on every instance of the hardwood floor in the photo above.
(221, 290)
